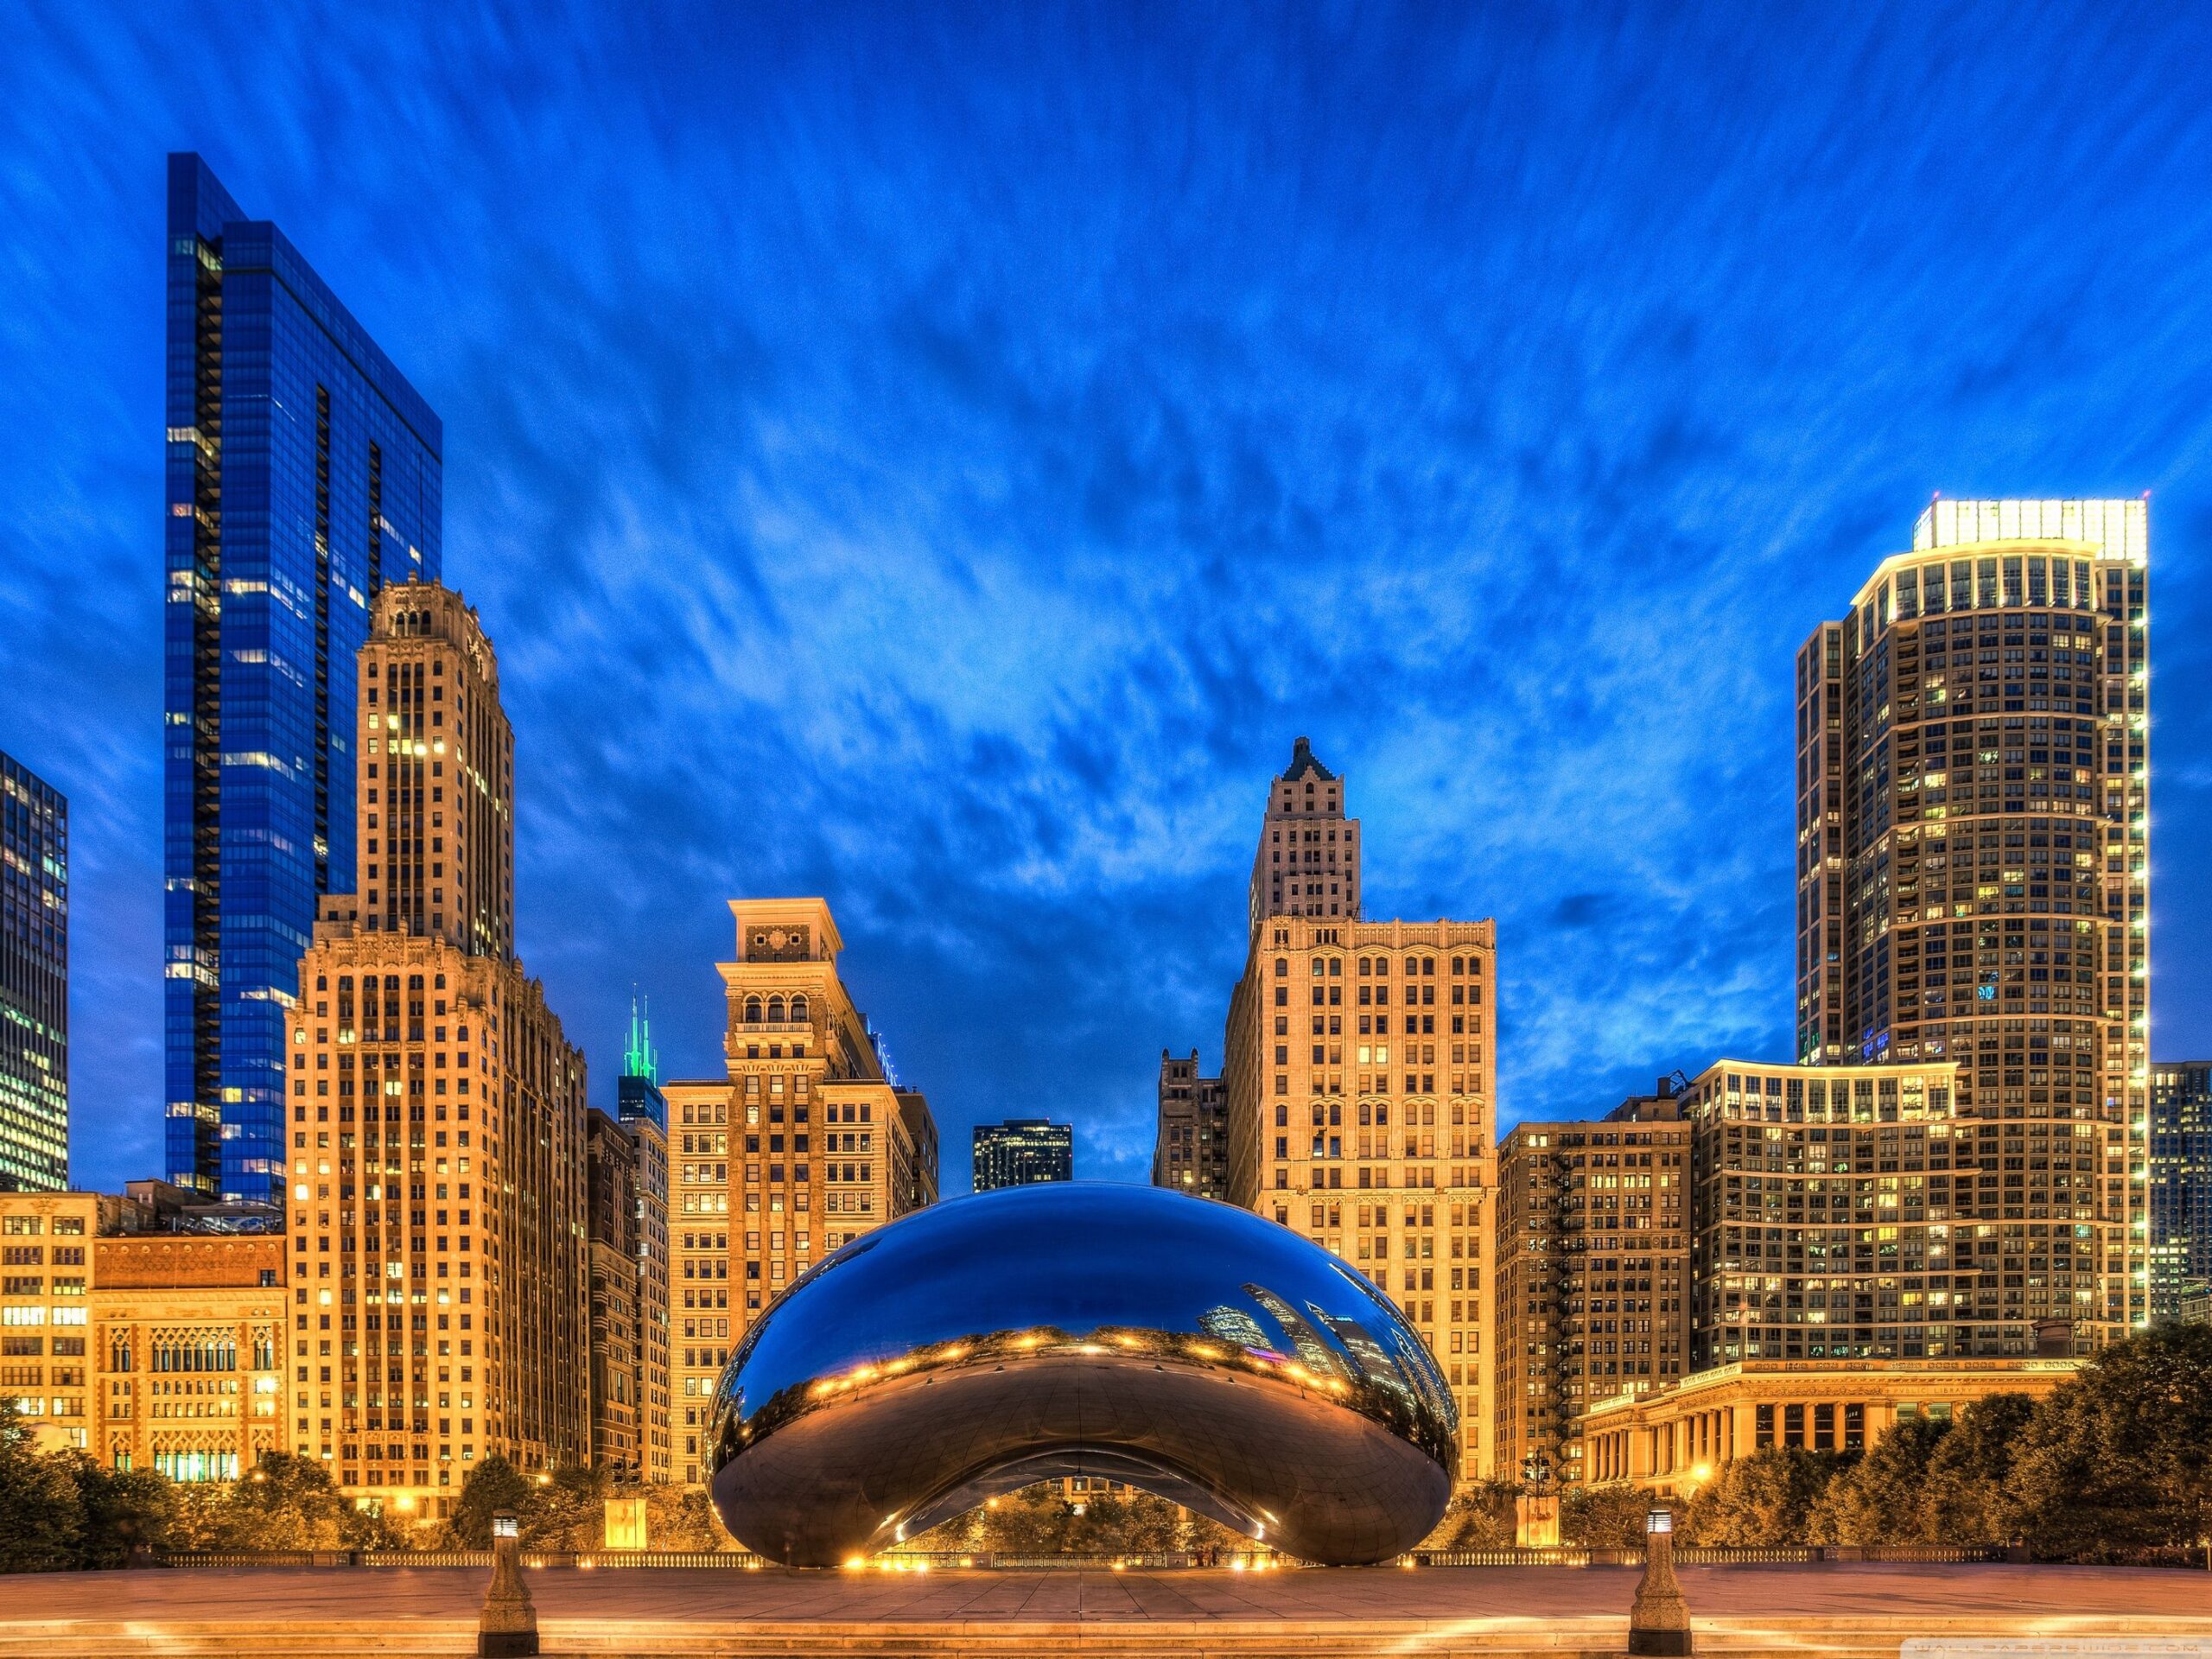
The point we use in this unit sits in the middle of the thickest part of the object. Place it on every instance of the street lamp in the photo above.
(1659, 1623)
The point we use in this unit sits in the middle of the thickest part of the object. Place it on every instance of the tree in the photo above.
(123, 1509)
(42, 1515)
(1479, 1517)
(285, 1503)
(1877, 1500)
(568, 1511)
(491, 1485)
(1766, 1498)
(679, 1519)
(374, 1529)
(1965, 1499)
(2119, 1457)
(1603, 1517)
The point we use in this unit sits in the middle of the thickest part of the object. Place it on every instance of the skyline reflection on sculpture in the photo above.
(1123, 1331)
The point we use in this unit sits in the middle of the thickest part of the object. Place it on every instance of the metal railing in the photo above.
(567, 1558)
(1715, 1555)
(1568, 1555)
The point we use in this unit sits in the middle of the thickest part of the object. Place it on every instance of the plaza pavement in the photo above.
(1315, 1614)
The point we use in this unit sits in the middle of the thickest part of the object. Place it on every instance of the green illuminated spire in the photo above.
(638, 1059)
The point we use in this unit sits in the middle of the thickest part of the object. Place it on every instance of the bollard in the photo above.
(1659, 1623)
(508, 1628)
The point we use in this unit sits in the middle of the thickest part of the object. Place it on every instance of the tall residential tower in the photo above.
(303, 471)
(1972, 787)
(643, 1112)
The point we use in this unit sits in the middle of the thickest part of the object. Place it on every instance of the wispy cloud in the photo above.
(939, 460)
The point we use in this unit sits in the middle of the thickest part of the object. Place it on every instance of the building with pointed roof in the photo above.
(1308, 860)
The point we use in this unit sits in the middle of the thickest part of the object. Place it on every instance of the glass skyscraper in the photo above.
(303, 473)
(2181, 1185)
(34, 982)
(1022, 1152)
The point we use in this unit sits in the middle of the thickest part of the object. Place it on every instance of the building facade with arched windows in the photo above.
(143, 1349)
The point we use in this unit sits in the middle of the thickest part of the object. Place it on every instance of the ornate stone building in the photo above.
(144, 1350)
(806, 1143)
(1361, 1076)
(1674, 1440)
(1190, 1148)
(437, 1171)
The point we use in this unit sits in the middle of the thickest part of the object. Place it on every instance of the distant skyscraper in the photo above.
(644, 1113)
(2181, 1185)
(1360, 1083)
(638, 1092)
(34, 982)
(1973, 860)
(1308, 861)
(1189, 1150)
(1023, 1152)
(303, 471)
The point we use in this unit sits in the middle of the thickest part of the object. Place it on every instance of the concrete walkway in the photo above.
(1859, 1609)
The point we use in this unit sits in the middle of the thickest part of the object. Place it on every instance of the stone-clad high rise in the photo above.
(1360, 1067)
(805, 1142)
(1191, 1142)
(1308, 863)
(438, 1249)
(1972, 788)
(303, 471)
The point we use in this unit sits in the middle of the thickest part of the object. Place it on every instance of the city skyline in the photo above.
(1547, 723)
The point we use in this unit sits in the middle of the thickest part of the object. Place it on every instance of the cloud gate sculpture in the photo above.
(1187, 1348)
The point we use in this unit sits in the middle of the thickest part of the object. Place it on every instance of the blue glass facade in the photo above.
(34, 982)
(303, 473)
(2181, 1185)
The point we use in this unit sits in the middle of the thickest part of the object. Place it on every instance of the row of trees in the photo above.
(2116, 1461)
(60, 1510)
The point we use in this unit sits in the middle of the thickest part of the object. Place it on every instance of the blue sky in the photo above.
(940, 457)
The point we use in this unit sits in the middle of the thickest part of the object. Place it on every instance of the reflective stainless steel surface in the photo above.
(1189, 1347)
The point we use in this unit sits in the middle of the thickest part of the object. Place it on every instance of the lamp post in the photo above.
(1535, 1509)
(1659, 1623)
(508, 1627)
